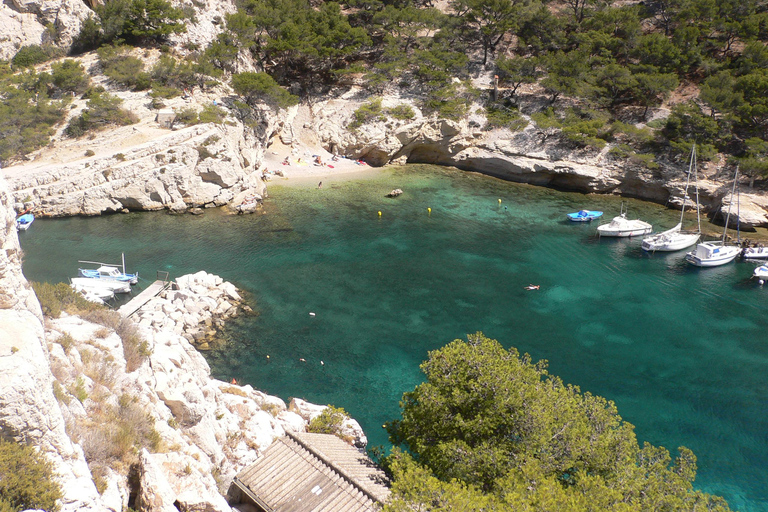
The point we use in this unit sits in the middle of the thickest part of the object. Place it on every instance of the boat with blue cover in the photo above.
(584, 215)
(108, 273)
(24, 221)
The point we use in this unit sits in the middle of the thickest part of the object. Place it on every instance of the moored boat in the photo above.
(108, 273)
(115, 286)
(621, 226)
(24, 221)
(761, 272)
(716, 253)
(95, 292)
(755, 253)
(584, 215)
(675, 239)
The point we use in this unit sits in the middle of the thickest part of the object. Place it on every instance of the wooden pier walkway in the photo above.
(151, 291)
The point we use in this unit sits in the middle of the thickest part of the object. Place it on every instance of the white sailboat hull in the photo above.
(670, 240)
(712, 254)
(114, 286)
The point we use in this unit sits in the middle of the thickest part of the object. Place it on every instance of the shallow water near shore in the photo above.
(682, 351)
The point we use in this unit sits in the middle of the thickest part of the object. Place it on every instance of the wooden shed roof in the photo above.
(314, 472)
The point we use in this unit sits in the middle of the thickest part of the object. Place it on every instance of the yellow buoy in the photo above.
(499, 200)
(379, 214)
(429, 210)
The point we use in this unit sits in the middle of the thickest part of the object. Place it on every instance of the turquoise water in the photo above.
(681, 350)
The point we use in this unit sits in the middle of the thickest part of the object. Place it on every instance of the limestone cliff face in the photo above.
(29, 412)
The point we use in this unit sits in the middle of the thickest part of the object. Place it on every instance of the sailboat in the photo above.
(716, 253)
(675, 239)
(622, 226)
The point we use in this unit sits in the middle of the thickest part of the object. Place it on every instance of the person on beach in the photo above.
(533, 287)
(320, 185)
(287, 161)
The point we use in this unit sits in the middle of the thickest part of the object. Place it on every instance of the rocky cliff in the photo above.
(127, 412)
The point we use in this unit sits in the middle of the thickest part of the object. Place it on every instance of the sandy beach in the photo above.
(301, 168)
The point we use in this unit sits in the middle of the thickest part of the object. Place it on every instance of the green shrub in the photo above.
(504, 117)
(103, 110)
(203, 153)
(329, 421)
(27, 117)
(125, 69)
(262, 87)
(402, 112)
(55, 298)
(26, 479)
(212, 114)
(78, 390)
(69, 76)
(30, 55)
(187, 116)
(135, 347)
(162, 91)
(89, 152)
(367, 113)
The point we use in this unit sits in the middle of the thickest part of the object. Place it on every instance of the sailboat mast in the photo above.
(728, 217)
(687, 182)
(696, 177)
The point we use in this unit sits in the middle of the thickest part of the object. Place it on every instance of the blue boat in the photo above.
(24, 221)
(584, 215)
(108, 273)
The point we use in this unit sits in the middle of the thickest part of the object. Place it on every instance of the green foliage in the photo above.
(169, 72)
(402, 112)
(329, 421)
(367, 113)
(28, 116)
(492, 430)
(139, 21)
(754, 161)
(69, 76)
(689, 124)
(501, 116)
(26, 479)
(135, 348)
(30, 55)
(103, 110)
(78, 390)
(262, 87)
(89, 38)
(55, 298)
(125, 69)
(212, 114)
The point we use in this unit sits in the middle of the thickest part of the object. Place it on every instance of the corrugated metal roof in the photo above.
(314, 472)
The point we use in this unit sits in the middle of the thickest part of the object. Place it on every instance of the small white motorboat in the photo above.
(114, 286)
(621, 226)
(761, 273)
(97, 294)
(24, 221)
(755, 253)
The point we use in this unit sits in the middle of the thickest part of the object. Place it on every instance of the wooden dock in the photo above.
(136, 303)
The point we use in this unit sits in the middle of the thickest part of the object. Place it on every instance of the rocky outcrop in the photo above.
(28, 22)
(198, 166)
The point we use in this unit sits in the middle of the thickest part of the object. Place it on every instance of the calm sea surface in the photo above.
(682, 351)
